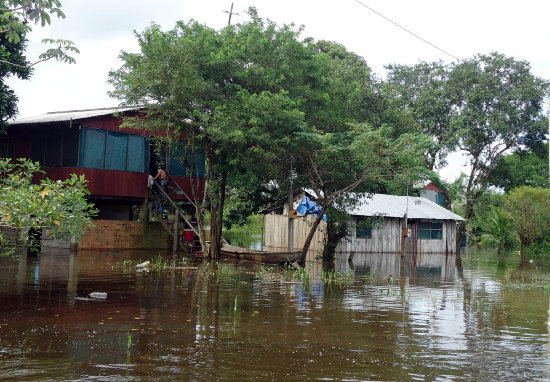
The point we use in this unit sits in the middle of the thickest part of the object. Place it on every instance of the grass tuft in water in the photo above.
(128, 346)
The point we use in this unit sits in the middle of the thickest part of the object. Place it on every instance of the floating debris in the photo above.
(143, 265)
(98, 295)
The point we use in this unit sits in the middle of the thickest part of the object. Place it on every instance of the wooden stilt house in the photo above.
(116, 162)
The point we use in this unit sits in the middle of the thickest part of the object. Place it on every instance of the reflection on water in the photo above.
(428, 321)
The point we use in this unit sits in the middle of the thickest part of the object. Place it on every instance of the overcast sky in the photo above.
(102, 28)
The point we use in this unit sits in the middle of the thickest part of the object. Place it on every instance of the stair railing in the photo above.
(165, 196)
(183, 192)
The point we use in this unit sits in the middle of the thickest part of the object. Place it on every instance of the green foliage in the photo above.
(16, 16)
(58, 206)
(529, 209)
(422, 93)
(499, 230)
(245, 199)
(522, 168)
(10, 52)
(16, 19)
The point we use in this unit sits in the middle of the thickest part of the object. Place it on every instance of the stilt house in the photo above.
(116, 162)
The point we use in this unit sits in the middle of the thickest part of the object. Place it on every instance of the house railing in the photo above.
(177, 211)
(181, 190)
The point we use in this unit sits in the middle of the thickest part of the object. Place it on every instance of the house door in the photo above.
(411, 239)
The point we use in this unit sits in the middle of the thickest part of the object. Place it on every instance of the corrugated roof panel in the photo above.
(395, 206)
(65, 116)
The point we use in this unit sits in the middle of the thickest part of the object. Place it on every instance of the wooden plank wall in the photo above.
(388, 240)
(384, 240)
(445, 245)
(276, 232)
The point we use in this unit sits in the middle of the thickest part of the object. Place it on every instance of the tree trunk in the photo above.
(307, 243)
(499, 252)
(334, 235)
(216, 218)
(459, 235)
(470, 200)
(524, 245)
(196, 198)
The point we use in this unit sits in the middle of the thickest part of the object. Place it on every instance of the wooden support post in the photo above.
(290, 220)
(176, 232)
(404, 234)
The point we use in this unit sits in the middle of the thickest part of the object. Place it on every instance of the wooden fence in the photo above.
(276, 232)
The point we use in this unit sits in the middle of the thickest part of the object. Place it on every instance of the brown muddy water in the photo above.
(376, 318)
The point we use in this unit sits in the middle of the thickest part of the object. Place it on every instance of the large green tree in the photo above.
(11, 53)
(421, 92)
(240, 94)
(497, 105)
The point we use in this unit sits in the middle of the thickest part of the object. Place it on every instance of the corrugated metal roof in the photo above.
(65, 116)
(395, 206)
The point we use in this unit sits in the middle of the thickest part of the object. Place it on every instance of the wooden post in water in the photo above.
(404, 234)
(290, 219)
(405, 231)
(176, 233)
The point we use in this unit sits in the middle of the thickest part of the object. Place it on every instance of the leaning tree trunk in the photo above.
(459, 235)
(334, 235)
(309, 238)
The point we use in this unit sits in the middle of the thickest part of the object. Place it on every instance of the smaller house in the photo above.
(431, 228)
(431, 192)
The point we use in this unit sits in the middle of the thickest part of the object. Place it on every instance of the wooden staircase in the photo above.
(179, 225)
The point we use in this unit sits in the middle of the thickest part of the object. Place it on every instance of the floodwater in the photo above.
(377, 317)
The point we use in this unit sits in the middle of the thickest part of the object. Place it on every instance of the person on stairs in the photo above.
(161, 174)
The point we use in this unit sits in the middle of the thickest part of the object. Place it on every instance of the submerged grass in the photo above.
(330, 278)
(157, 263)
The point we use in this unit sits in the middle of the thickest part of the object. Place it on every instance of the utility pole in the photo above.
(405, 228)
(230, 14)
(290, 206)
(549, 145)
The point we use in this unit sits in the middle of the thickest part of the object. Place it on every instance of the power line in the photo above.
(406, 30)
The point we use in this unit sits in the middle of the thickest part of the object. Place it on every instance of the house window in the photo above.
(429, 230)
(112, 150)
(362, 231)
(55, 148)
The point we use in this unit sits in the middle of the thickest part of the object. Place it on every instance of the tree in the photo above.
(10, 52)
(343, 148)
(497, 105)
(498, 230)
(362, 158)
(421, 92)
(59, 206)
(16, 18)
(524, 167)
(237, 93)
(529, 209)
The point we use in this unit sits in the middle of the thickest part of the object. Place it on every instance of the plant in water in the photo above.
(129, 344)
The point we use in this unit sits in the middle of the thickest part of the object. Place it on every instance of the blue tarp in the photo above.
(306, 206)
